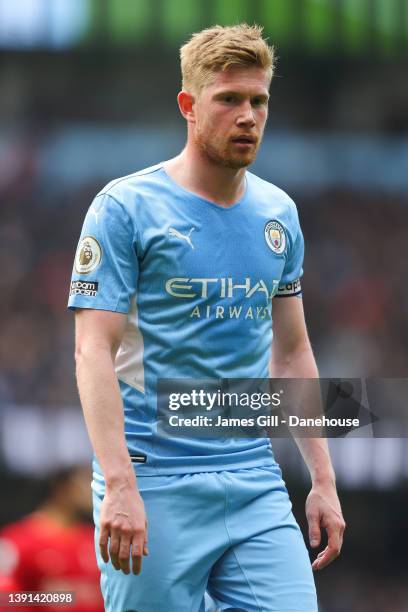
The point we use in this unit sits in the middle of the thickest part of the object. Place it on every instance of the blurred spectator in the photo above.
(52, 549)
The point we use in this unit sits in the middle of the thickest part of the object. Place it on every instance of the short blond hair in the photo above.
(219, 48)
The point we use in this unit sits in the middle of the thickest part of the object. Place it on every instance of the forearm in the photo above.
(292, 358)
(315, 452)
(103, 411)
(296, 363)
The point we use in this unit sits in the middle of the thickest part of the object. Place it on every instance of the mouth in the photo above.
(244, 140)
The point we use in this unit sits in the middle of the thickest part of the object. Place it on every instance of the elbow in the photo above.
(291, 362)
(301, 349)
(86, 354)
(79, 355)
(286, 355)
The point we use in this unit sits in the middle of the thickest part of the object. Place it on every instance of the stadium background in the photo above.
(88, 93)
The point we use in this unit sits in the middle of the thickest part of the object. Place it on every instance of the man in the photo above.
(186, 257)
(52, 549)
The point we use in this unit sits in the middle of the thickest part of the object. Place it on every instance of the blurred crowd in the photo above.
(39, 227)
(355, 297)
(354, 283)
(356, 590)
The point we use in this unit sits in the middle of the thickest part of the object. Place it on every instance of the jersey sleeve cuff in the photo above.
(83, 302)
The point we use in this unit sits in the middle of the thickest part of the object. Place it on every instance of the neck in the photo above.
(194, 171)
(62, 516)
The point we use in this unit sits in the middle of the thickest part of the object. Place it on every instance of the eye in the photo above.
(258, 101)
(230, 99)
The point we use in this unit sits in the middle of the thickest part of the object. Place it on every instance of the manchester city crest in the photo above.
(88, 256)
(275, 236)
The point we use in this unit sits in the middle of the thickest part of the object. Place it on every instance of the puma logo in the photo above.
(176, 234)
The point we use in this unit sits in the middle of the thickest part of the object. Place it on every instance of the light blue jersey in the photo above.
(196, 281)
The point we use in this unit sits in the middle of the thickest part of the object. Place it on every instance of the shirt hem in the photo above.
(162, 470)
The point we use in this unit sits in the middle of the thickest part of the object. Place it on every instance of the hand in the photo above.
(123, 525)
(323, 510)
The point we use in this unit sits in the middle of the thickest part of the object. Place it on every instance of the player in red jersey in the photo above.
(52, 549)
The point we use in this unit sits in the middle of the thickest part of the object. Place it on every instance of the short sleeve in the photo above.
(290, 281)
(105, 271)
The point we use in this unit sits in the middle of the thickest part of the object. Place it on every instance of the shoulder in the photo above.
(119, 201)
(125, 187)
(276, 200)
(271, 191)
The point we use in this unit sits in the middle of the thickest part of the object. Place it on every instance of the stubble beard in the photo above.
(221, 156)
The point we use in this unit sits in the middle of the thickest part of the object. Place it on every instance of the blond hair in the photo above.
(219, 48)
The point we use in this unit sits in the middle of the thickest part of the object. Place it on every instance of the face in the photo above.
(230, 116)
(78, 491)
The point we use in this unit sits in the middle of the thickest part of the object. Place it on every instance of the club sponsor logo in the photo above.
(249, 292)
(189, 288)
(275, 236)
(230, 312)
(88, 255)
(88, 288)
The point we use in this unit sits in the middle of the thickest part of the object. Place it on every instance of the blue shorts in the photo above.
(230, 535)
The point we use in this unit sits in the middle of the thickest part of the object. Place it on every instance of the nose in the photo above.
(246, 116)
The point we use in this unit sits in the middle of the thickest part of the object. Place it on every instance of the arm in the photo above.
(122, 521)
(292, 357)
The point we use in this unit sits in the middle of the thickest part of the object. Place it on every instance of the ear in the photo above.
(186, 105)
